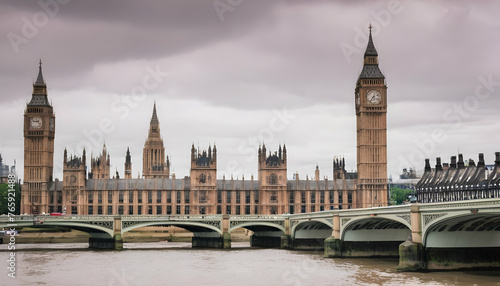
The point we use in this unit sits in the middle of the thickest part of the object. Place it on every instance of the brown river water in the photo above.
(168, 263)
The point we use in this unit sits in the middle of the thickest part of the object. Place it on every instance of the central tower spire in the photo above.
(154, 164)
(154, 118)
(154, 125)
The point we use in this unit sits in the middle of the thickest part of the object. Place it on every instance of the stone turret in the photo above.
(101, 165)
(128, 165)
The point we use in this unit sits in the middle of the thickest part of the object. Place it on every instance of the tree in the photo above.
(4, 199)
(398, 195)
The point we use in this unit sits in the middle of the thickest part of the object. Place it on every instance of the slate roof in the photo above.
(371, 72)
(39, 99)
(370, 48)
(438, 180)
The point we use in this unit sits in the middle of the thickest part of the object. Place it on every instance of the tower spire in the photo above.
(153, 161)
(39, 79)
(127, 157)
(154, 126)
(370, 64)
(39, 97)
(370, 48)
(154, 118)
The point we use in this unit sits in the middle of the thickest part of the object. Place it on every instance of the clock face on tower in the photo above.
(35, 122)
(373, 97)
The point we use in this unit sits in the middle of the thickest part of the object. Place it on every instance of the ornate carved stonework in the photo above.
(105, 224)
(406, 217)
(431, 217)
(215, 223)
(345, 220)
(126, 224)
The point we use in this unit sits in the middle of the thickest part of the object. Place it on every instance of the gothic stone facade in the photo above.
(201, 192)
(160, 192)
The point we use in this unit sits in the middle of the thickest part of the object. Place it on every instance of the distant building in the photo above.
(408, 174)
(5, 171)
(408, 179)
(459, 181)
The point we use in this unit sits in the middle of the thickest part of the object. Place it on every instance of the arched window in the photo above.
(273, 179)
(203, 178)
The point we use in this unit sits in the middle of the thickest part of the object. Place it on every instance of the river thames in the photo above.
(167, 263)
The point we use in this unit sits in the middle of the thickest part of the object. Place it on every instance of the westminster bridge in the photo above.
(450, 235)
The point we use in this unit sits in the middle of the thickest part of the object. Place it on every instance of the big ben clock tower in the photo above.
(371, 131)
(39, 133)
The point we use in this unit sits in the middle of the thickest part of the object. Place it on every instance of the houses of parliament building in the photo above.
(159, 192)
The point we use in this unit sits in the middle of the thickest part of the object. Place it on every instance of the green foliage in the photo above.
(398, 196)
(4, 199)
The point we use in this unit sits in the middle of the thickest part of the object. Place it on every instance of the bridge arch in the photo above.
(375, 228)
(312, 228)
(463, 229)
(194, 227)
(257, 226)
(94, 230)
(265, 233)
(310, 234)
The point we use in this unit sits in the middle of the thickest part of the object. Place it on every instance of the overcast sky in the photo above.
(237, 73)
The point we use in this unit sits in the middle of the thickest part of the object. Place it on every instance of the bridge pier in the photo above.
(286, 238)
(370, 248)
(220, 242)
(266, 239)
(114, 243)
(308, 244)
(333, 247)
(213, 239)
(337, 248)
(333, 244)
(286, 242)
(97, 241)
(411, 257)
(226, 236)
(462, 258)
(411, 252)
